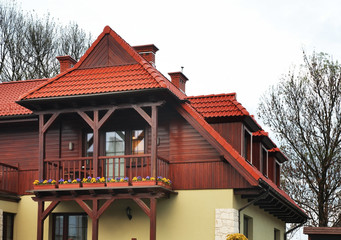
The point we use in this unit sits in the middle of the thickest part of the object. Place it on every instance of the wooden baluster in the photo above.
(130, 170)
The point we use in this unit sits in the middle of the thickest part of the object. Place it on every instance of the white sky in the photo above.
(224, 46)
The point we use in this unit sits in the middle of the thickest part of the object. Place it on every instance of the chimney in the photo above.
(66, 62)
(147, 52)
(179, 80)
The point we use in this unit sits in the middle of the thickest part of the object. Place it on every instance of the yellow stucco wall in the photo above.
(263, 223)
(188, 215)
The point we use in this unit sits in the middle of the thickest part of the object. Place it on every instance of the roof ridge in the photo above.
(213, 95)
(25, 81)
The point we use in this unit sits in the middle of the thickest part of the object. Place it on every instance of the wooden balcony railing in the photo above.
(9, 178)
(108, 167)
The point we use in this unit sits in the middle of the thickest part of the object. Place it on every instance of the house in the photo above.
(113, 115)
(322, 233)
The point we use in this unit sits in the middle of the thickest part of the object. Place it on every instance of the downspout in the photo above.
(290, 230)
(263, 195)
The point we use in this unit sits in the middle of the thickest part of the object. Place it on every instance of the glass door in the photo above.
(115, 146)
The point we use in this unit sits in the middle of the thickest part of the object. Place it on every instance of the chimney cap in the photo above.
(180, 74)
(66, 58)
(146, 48)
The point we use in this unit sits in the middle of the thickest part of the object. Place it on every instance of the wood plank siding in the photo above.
(232, 132)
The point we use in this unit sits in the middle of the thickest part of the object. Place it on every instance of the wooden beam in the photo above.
(108, 107)
(86, 118)
(152, 219)
(95, 219)
(104, 207)
(85, 207)
(143, 114)
(49, 209)
(154, 127)
(40, 225)
(95, 144)
(41, 147)
(50, 121)
(143, 206)
(105, 117)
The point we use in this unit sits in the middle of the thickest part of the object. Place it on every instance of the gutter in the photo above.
(262, 196)
(294, 228)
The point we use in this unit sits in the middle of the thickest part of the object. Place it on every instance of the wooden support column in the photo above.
(154, 127)
(152, 217)
(40, 227)
(42, 215)
(42, 130)
(95, 219)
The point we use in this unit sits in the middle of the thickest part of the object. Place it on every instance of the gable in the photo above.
(108, 52)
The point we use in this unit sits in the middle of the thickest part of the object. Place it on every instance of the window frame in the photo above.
(244, 145)
(264, 162)
(5, 224)
(65, 223)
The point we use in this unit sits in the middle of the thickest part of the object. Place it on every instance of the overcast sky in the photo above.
(224, 46)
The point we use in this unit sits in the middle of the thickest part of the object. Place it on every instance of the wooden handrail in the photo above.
(68, 159)
(9, 166)
(163, 159)
(126, 156)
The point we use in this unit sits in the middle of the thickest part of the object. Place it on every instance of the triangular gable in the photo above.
(108, 52)
(97, 57)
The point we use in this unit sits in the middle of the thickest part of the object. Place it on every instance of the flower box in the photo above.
(93, 185)
(162, 184)
(143, 183)
(117, 184)
(69, 185)
(44, 186)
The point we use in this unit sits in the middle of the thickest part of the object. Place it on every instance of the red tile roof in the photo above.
(100, 80)
(221, 105)
(78, 81)
(251, 173)
(260, 133)
(11, 92)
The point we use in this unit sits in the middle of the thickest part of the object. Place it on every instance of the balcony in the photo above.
(108, 167)
(9, 179)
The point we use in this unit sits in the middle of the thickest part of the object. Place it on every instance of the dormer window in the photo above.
(264, 161)
(247, 146)
(277, 177)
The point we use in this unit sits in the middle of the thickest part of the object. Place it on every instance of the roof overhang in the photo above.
(274, 203)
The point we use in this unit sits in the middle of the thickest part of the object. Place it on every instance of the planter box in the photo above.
(42, 187)
(117, 184)
(162, 184)
(93, 185)
(144, 183)
(69, 185)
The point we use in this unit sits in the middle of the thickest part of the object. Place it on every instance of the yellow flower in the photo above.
(152, 179)
(74, 181)
(84, 180)
(143, 179)
(236, 236)
(93, 180)
(122, 180)
(45, 182)
(65, 182)
(54, 182)
(135, 179)
(102, 180)
(36, 182)
(112, 180)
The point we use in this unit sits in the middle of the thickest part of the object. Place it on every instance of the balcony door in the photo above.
(119, 143)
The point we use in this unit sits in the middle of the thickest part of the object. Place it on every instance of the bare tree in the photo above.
(29, 44)
(304, 111)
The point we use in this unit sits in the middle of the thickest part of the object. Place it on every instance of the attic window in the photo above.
(277, 173)
(247, 146)
(264, 161)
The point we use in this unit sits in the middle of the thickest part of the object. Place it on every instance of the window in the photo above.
(248, 227)
(89, 145)
(264, 161)
(137, 142)
(115, 146)
(277, 235)
(70, 226)
(247, 146)
(277, 173)
(8, 224)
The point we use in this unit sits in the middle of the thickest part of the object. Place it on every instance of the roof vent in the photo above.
(66, 62)
(147, 52)
(179, 80)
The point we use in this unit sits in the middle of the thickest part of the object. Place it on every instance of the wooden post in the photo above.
(154, 127)
(152, 217)
(96, 145)
(41, 147)
(95, 219)
(40, 227)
